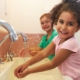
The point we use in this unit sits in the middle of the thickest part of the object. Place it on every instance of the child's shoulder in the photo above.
(73, 40)
(71, 44)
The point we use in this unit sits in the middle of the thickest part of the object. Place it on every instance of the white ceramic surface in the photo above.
(7, 71)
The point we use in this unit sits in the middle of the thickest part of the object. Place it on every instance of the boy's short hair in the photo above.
(45, 15)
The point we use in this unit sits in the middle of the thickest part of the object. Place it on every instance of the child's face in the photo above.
(66, 25)
(46, 24)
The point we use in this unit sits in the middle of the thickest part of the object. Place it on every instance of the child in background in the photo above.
(47, 26)
(65, 45)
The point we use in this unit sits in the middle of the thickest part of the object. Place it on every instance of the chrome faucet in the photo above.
(0, 60)
(23, 35)
(24, 40)
(10, 29)
(12, 34)
(9, 58)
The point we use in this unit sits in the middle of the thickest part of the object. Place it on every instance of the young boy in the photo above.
(47, 26)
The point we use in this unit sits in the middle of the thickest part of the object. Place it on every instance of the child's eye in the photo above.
(60, 21)
(70, 24)
(42, 22)
(45, 22)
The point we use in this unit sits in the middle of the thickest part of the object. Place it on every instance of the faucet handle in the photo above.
(13, 54)
(1, 61)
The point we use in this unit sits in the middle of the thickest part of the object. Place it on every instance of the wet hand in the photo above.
(33, 53)
(23, 74)
(20, 69)
(17, 70)
(24, 52)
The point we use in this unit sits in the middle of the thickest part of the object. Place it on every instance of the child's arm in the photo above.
(33, 51)
(52, 52)
(60, 57)
(42, 54)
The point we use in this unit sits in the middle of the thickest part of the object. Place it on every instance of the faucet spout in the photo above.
(11, 30)
(23, 35)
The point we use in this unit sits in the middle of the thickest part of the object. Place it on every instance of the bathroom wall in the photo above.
(33, 41)
(24, 16)
(5, 10)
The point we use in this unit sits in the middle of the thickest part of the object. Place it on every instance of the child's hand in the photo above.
(23, 74)
(20, 69)
(17, 70)
(33, 53)
(24, 52)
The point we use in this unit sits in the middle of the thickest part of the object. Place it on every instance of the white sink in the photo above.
(8, 68)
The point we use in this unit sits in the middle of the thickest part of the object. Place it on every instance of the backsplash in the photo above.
(16, 47)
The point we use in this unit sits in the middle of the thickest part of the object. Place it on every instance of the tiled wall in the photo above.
(33, 40)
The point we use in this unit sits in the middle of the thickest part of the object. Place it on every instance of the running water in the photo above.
(25, 52)
(0, 63)
(24, 55)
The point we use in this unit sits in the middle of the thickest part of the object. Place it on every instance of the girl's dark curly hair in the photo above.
(72, 6)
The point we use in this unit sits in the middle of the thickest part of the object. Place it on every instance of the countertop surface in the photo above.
(53, 74)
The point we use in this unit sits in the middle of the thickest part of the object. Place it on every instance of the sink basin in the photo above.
(2, 68)
(37, 76)
(8, 68)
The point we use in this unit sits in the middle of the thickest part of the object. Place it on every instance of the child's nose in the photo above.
(45, 24)
(64, 27)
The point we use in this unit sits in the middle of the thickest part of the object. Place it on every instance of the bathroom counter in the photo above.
(8, 68)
